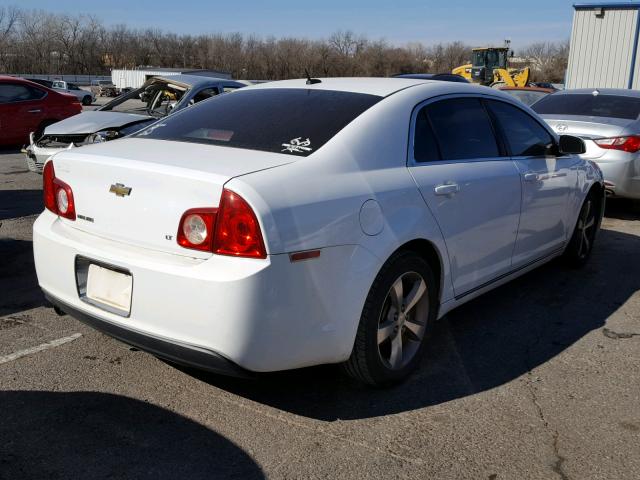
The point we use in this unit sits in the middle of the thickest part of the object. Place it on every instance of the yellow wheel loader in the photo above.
(490, 67)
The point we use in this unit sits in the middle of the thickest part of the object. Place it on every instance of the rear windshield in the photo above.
(282, 120)
(611, 106)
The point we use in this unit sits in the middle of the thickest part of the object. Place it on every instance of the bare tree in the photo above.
(41, 42)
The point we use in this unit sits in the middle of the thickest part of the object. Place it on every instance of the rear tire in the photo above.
(580, 246)
(86, 100)
(396, 322)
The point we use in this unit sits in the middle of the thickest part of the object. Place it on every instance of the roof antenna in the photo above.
(311, 81)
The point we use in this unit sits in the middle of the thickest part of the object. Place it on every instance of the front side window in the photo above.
(524, 135)
(281, 120)
(463, 129)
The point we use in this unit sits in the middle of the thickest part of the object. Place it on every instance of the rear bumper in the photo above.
(621, 173)
(262, 315)
(171, 350)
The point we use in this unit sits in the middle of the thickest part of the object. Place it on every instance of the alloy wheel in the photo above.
(403, 320)
(586, 226)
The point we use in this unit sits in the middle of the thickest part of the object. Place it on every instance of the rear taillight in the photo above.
(629, 144)
(196, 228)
(237, 229)
(232, 229)
(58, 196)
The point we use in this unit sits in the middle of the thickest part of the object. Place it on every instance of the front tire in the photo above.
(396, 321)
(580, 246)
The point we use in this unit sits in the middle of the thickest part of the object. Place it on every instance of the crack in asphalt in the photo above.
(618, 335)
(558, 464)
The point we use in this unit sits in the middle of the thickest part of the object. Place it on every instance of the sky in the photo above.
(475, 22)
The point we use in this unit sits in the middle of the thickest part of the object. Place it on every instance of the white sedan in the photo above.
(298, 223)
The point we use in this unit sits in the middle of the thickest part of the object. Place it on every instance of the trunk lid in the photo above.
(165, 179)
(589, 129)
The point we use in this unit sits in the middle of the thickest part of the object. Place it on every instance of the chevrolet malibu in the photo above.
(299, 223)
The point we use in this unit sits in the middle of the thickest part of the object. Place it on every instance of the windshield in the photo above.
(280, 120)
(609, 106)
(154, 98)
(478, 58)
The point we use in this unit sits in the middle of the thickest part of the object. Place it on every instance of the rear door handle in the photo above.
(447, 189)
(35, 110)
(531, 177)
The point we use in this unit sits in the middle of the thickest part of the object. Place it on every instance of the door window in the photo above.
(204, 94)
(425, 146)
(13, 92)
(524, 135)
(463, 129)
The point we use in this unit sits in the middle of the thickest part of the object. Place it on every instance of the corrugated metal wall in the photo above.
(601, 53)
(135, 78)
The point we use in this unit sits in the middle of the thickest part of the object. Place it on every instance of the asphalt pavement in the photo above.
(538, 379)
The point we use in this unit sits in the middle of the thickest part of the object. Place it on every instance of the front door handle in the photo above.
(35, 110)
(531, 177)
(447, 189)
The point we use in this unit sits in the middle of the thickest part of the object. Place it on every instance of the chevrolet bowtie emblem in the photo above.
(120, 190)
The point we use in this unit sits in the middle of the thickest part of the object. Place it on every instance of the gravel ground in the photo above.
(537, 379)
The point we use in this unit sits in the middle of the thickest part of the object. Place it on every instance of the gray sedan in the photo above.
(607, 120)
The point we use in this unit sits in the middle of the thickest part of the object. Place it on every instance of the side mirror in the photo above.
(570, 145)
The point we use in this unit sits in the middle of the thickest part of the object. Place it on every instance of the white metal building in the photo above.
(136, 77)
(604, 46)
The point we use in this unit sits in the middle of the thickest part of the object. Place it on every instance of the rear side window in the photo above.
(13, 92)
(425, 146)
(524, 135)
(283, 120)
(463, 129)
(611, 106)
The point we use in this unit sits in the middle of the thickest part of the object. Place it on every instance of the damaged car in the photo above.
(128, 113)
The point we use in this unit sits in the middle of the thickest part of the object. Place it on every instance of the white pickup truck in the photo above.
(86, 97)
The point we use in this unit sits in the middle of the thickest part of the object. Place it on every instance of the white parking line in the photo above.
(45, 346)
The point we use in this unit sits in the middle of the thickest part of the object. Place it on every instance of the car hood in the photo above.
(91, 122)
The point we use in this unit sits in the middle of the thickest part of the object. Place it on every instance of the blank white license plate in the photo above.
(109, 287)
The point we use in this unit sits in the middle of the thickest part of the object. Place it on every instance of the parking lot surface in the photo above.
(537, 379)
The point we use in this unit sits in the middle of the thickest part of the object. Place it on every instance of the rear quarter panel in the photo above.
(316, 201)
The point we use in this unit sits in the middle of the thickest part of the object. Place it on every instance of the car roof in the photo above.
(379, 86)
(9, 78)
(196, 80)
(447, 77)
(621, 92)
(529, 89)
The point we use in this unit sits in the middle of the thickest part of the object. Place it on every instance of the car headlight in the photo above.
(102, 136)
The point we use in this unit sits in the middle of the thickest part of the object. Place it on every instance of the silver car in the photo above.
(607, 120)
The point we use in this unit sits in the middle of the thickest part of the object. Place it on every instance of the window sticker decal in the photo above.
(297, 145)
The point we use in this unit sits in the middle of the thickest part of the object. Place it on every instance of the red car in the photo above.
(27, 107)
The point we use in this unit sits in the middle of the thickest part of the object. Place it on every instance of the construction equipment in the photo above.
(490, 67)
